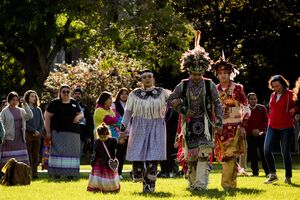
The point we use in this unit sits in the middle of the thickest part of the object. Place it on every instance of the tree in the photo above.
(148, 31)
(110, 72)
(33, 31)
(12, 75)
(261, 37)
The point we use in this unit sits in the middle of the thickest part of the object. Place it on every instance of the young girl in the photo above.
(104, 176)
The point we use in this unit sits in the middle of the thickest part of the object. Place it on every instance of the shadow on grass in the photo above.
(155, 194)
(288, 185)
(215, 193)
(44, 177)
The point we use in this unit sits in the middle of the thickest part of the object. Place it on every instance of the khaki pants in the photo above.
(33, 147)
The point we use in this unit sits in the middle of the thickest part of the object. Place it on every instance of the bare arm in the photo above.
(48, 117)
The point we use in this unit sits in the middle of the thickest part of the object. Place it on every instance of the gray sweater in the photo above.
(1, 131)
(8, 121)
(37, 122)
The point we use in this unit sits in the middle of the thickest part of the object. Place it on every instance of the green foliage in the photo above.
(261, 37)
(110, 72)
(33, 31)
(150, 32)
(12, 75)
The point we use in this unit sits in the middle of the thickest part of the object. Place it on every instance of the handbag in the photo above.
(112, 163)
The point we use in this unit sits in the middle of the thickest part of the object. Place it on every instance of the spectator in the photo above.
(119, 106)
(34, 130)
(14, 123)
(86, 124)
(280, 127)
(167, 166)
(256, 132)
(62, 118)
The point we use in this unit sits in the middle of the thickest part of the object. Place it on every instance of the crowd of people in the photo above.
(209, 122)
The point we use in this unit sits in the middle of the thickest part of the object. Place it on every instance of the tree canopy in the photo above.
(260, 37)
(33, 31)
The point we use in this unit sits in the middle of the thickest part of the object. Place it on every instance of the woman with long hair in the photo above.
(119, 106)
(34, 129)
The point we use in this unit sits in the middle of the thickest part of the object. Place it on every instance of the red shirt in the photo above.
(258, 119)
(280, 116)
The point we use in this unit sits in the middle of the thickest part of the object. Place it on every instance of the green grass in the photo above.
(173, 188)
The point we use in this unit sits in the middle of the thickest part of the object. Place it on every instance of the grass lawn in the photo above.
(172, 188)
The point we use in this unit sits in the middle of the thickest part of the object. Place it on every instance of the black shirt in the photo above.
(64, 114)
(101, 155)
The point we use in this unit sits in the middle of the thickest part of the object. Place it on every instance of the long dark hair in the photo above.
(285, 83)
(11, 95)
(27, 94)
(102, 98)
(120, 92)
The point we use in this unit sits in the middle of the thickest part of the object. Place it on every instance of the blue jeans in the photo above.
(285, 137)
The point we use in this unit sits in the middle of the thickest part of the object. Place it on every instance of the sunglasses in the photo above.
(65, 91)
(147, 76)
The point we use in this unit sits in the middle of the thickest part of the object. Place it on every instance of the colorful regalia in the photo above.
(102, 177)
(147, 135)
(200, 110)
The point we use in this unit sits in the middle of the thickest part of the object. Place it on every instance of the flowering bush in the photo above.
(110, 72)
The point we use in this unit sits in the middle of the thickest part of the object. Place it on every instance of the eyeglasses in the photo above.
(147, 76)
(65, 91)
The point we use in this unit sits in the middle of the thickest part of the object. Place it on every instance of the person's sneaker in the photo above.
(288, 181)
(271, 179)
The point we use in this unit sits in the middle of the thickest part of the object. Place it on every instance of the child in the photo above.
(104, 176)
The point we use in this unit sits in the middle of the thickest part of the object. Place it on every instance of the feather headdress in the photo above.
(197, 59)
(223, 64)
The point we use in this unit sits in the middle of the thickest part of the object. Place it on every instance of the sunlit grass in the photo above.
(172, 188)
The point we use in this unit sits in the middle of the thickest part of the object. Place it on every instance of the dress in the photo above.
(145, 109)
(147, 135)
(102, 177)
(64, 158)
(14, 148)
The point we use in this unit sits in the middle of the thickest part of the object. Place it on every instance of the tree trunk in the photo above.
(36, 70)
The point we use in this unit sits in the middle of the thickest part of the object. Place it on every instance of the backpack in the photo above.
(15, 173)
